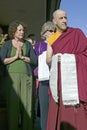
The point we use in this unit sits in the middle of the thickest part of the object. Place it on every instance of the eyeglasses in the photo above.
(49, 31)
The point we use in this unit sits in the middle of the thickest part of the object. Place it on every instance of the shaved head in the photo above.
(60, 19)
(58, 12)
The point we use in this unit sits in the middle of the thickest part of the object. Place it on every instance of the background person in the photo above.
(32, 39)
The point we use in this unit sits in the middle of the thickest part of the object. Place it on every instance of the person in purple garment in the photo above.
(43, 75)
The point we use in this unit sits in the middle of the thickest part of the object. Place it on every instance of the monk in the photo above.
(67, 56)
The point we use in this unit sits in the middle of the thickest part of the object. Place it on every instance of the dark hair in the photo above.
(32, 37)
(13, 28)
(1, 30)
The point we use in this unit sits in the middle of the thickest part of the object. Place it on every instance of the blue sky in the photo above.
(76, 12)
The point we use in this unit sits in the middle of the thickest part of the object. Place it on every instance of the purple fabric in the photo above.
(40, 47)
(36, 71)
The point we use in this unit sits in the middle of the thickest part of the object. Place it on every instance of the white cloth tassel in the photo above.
(54, 77)
(69, 80)
(43, 69)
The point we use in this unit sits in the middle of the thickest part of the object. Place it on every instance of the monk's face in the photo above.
(60, 20)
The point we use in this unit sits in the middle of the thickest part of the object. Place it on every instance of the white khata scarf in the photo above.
(68, 79)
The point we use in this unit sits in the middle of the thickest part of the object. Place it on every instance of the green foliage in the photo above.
(3, 37)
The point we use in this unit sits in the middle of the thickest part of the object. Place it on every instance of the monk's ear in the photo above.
(54, 21)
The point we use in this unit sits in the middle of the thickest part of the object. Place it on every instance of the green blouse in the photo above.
(18, 66)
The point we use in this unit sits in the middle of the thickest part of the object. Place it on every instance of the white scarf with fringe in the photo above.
(68, 79)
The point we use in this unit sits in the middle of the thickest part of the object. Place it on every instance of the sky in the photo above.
(76, 12)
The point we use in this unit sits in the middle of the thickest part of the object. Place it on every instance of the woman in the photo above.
(18, 56)
(48, 28)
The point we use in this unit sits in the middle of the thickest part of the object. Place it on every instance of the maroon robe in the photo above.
(61, 117)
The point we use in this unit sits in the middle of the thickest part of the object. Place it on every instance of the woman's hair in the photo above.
(13, 28)
(48, 26)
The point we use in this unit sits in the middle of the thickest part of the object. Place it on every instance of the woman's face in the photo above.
(19, 34)
(48, 33)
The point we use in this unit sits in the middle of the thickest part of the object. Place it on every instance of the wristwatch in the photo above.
(22, 58)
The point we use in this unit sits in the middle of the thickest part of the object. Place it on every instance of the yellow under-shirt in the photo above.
(53, 37)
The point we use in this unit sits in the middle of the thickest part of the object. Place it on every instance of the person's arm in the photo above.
(49, 54)
(26, 59)
(30, 57)
(18, 55)
(5, 50)
(9, 60)
(12, 59)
